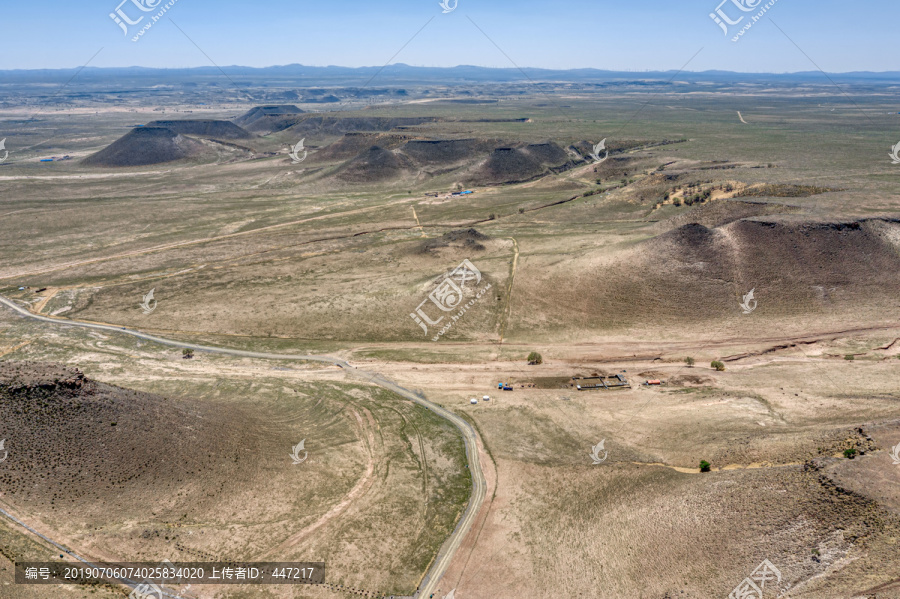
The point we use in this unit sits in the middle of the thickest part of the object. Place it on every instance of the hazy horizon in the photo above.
(459, 66)
(655, 36)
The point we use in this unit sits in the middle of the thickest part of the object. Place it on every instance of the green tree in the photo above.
(690, 362)
(850, 453)
(717, 365)
(705, 466)
(535, 358)
(187, 353)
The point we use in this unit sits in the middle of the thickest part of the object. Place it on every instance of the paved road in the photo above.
(450, 546)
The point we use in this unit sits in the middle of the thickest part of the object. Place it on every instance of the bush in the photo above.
(535, 358)
(850, 453)
(850, 357)
(690, 361)
(717, 365)
(521, 211)
(187, 354)
(704, 466)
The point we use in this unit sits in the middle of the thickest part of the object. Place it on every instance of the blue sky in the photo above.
(606, 34)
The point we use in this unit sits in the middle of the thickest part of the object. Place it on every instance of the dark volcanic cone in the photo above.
(143, 146)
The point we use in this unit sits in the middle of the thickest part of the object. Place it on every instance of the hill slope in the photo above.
(143, 146)
(797, 269)
(267, 118)
(204, 128)
(478, 161)
(75, 442)
(374, 164)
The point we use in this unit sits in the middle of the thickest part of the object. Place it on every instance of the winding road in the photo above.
(470, 437)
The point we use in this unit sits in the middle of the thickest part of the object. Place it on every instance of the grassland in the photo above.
(596, 266)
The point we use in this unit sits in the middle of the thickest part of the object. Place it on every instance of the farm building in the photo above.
(601, 382)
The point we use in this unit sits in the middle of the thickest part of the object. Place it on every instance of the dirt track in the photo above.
(470, 437)
(367, 428)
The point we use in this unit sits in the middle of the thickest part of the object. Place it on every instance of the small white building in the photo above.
(486, 398)
(473, 401)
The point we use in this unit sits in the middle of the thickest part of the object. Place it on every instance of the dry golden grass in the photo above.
(595, 273)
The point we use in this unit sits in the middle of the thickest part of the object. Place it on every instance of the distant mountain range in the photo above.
(402, 74)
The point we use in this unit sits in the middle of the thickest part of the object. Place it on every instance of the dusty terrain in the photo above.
(128, 475)
(624, 266)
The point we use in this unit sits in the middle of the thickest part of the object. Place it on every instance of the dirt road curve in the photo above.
(448, 549)
(130, 583)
